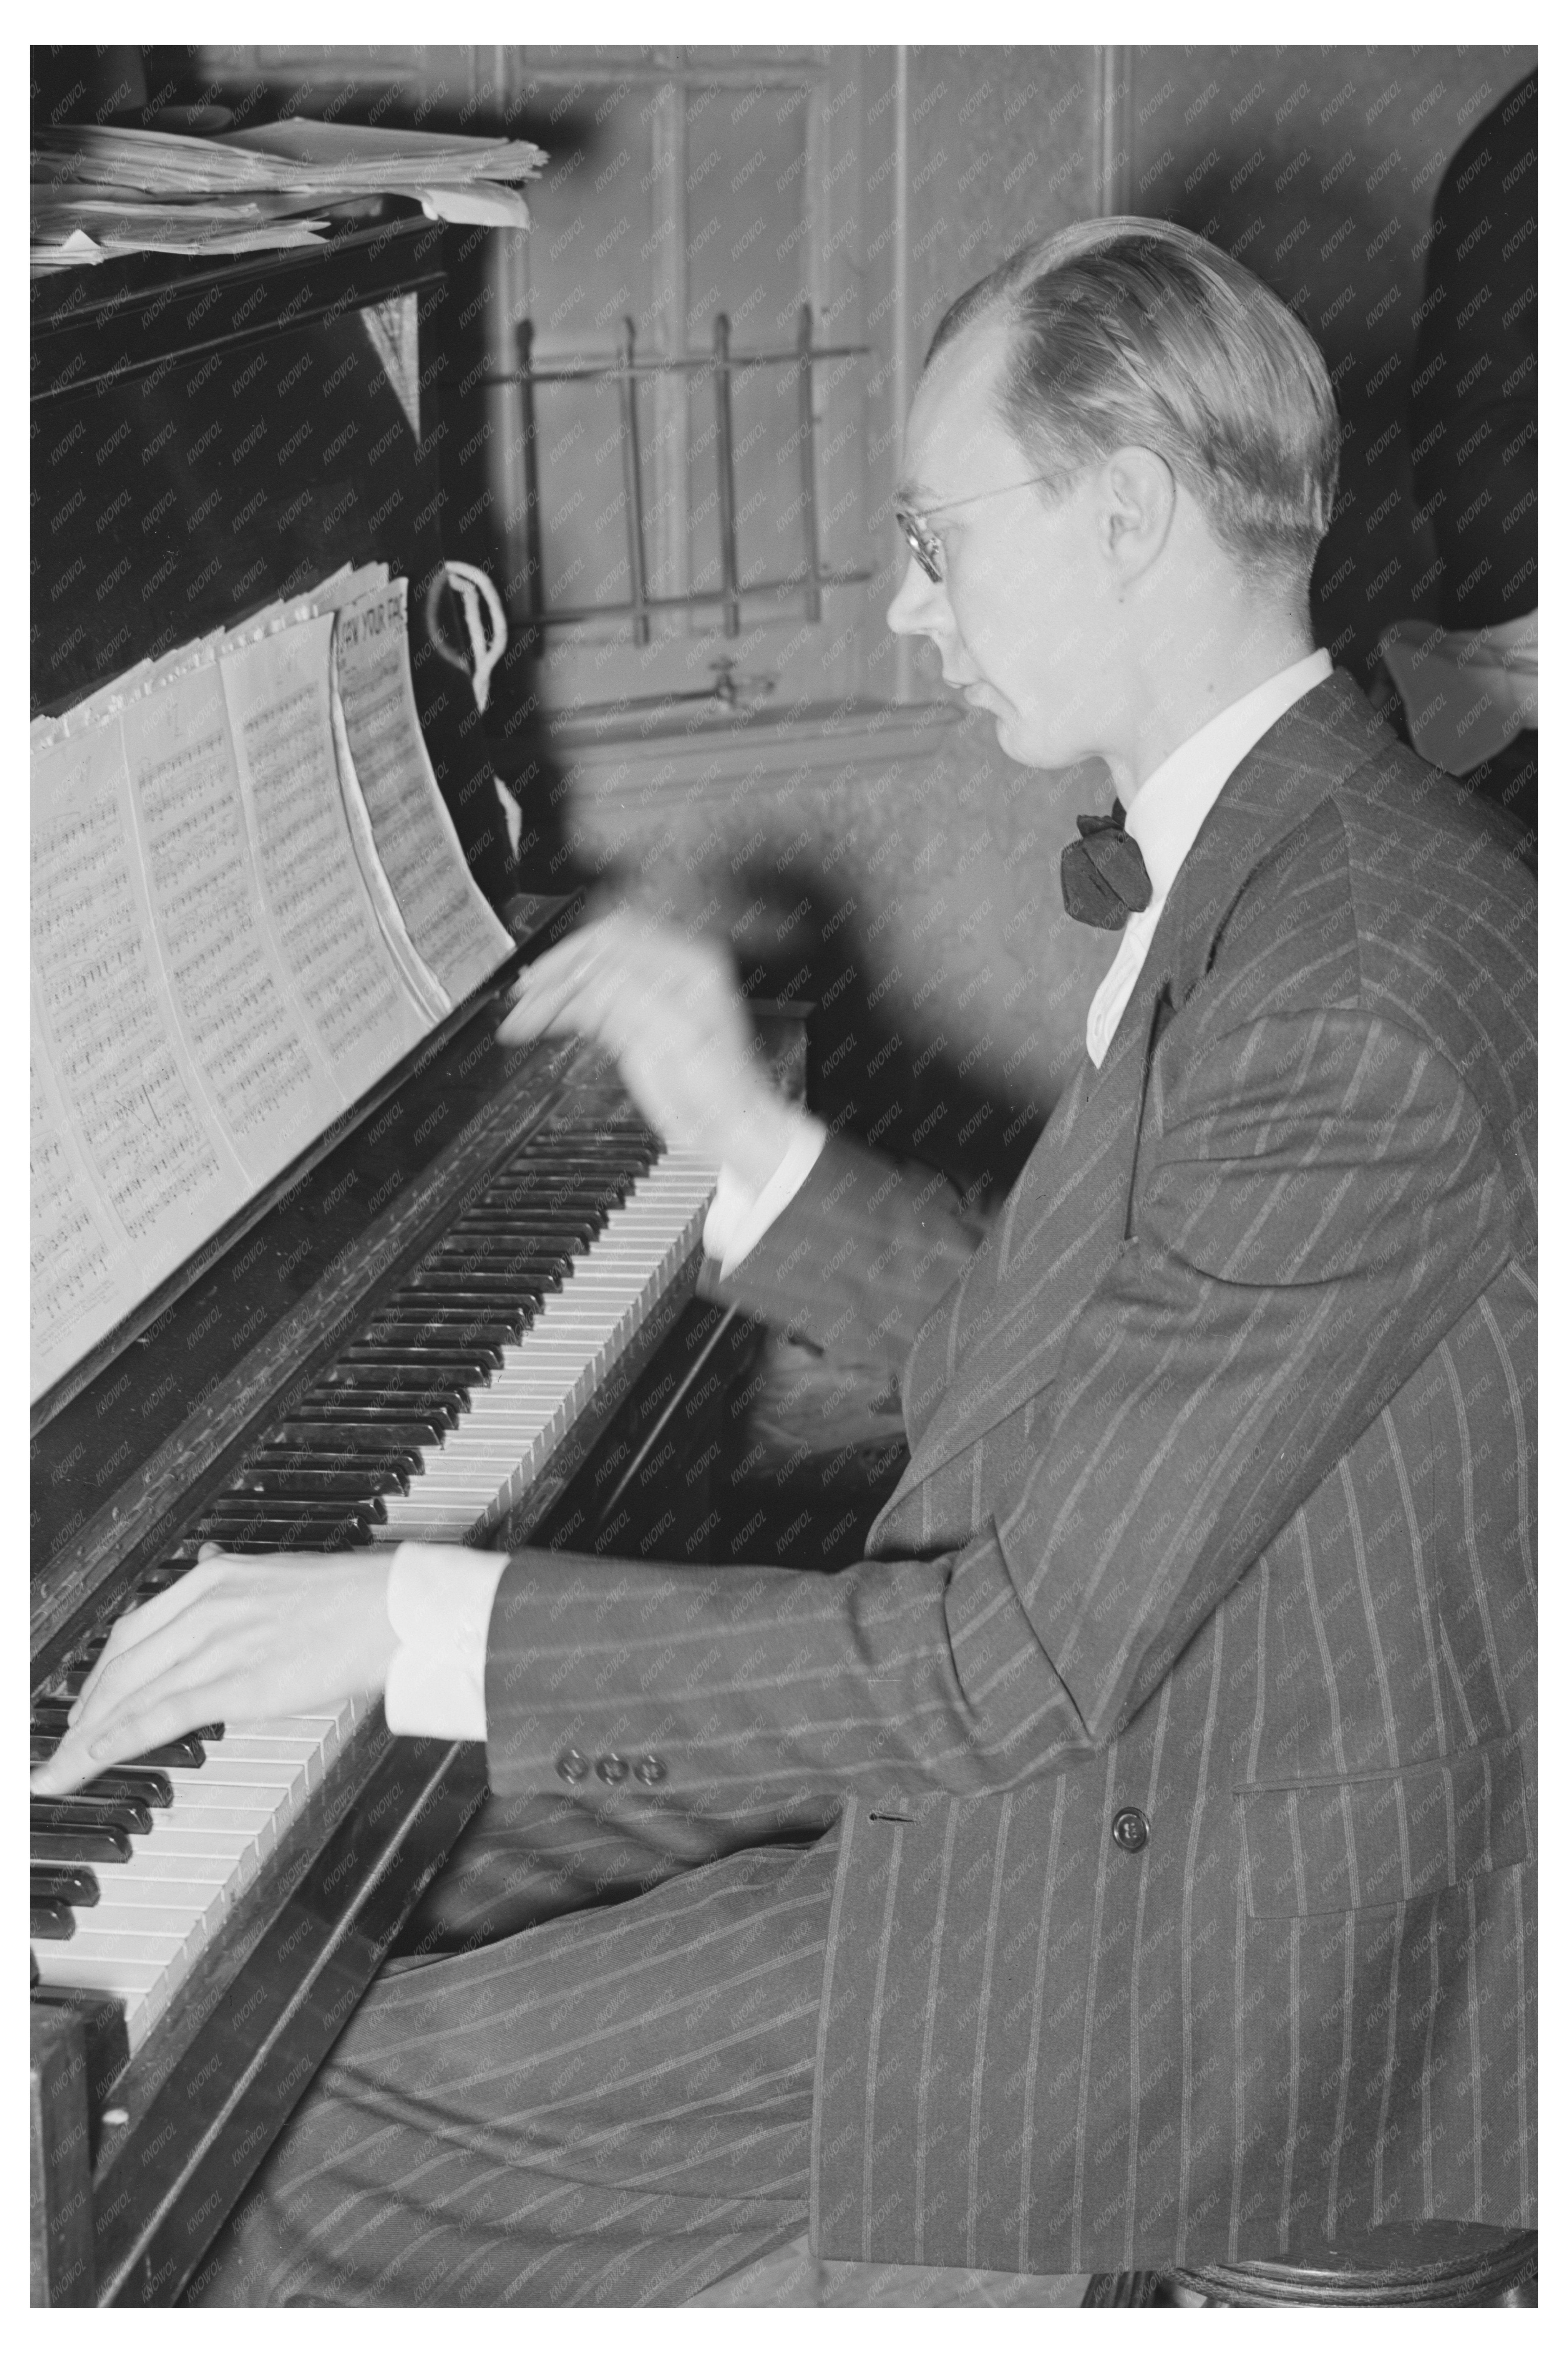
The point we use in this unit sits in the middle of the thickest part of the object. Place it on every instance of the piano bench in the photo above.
(1440, 2263)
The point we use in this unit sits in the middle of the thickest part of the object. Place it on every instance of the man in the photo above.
(1175, 1735)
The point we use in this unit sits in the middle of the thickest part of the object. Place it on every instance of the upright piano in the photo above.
(472, 1291)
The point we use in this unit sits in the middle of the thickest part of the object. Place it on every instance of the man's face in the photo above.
(1019, 617)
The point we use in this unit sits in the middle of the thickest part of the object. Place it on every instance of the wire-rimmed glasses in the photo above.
(924, 544)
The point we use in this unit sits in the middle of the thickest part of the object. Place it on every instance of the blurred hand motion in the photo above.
(236, 1639)
(664, 1004)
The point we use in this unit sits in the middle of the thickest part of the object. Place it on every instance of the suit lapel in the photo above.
(998, 1343)
(1064, 1219)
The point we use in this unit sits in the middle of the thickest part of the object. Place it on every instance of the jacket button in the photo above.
(612, 1768)
(572, 1765)
(650, 1769)
(1130, 1829)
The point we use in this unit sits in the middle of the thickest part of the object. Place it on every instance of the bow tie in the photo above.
(1104, 879)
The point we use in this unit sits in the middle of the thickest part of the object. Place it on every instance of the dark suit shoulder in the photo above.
(1397, 896)
(1394, 889)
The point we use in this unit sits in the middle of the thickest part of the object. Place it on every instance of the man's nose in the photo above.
(919, 606)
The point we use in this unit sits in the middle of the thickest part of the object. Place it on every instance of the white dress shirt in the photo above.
(1167, 814)
(439, 1597)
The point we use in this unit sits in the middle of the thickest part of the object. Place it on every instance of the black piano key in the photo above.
(497, 1231)
(144, 1783)
(369, 1434)
(408, 1459)
(241, 1517)
(82, 1813)
(59, 1883)
(49, 1920)
(553, 1194)
(442, 1343)
(279, 1524)
(530, 1257)
(306, 1482)
(582, 1150)
(507, 1313)
(483, 1286)
(189, 1750)
(546, 1211)
(479, 1279)
(43, 1741)
(606, 1181)
(468, 1369)
(328, 1446)
(364, 1407)
(548, 1256)
(496, 1323)
(103, 1845)
(547, 1205)
(460, 1299)
(406, 1383)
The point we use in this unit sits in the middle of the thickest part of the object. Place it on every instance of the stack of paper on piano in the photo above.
(248, 902)
(99, 190)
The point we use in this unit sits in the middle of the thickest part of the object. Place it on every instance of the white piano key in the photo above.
(132, 1976)
(163, 1946)
(511, 1427)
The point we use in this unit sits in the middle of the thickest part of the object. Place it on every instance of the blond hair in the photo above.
(1133, 332)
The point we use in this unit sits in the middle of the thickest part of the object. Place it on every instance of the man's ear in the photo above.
(1137, 508)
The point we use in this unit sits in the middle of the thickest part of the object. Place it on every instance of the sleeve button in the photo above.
(572, 1765)
(612, 1768)
(650, 1769)
(1129, 1830)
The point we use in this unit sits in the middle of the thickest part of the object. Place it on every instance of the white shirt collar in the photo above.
(1171, 805)
(1168, 813)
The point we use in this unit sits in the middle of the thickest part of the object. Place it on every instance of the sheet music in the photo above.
(247, 1032)
(221, 936)
(104, 1017)
(82, 1282)
(447, 918)
(278, 698)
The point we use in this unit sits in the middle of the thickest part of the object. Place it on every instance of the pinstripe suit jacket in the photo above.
(1219, 1507)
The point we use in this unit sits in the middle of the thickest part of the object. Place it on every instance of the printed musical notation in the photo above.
(447, 918)
(248, 902)
(247, 1031)
(278, 691)
(77, 1271)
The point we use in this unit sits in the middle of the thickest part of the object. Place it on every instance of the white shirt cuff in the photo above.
(438, 1599)
(737, 1217)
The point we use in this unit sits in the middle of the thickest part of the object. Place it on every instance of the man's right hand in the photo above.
(665, 1005)
(236, 1638)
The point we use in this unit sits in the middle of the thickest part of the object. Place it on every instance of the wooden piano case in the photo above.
(205, 438)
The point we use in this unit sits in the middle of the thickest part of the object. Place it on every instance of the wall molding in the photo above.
(706, 763)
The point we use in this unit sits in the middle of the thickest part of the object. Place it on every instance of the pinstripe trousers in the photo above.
(611, 2108)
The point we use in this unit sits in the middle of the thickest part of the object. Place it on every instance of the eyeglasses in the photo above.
(924, 544)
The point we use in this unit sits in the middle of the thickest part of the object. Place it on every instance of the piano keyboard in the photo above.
(143, 1917)
(432, 1423)
(485, 1466)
